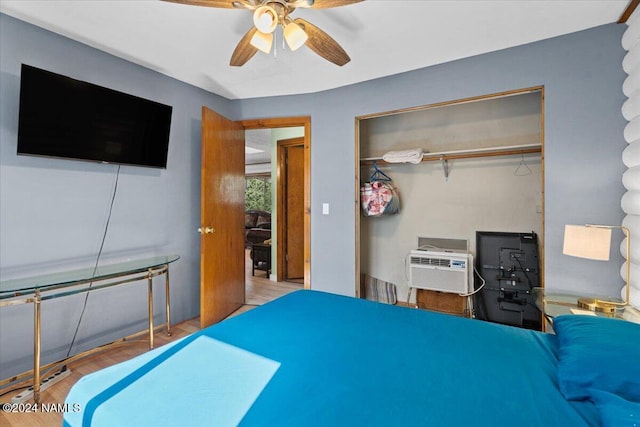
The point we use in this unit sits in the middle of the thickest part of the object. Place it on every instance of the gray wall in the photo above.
(582, 76)
(53, 212)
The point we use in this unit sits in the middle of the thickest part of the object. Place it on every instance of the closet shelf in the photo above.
(468, 154)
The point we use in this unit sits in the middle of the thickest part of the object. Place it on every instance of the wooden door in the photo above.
(292, 161)
(222, 288)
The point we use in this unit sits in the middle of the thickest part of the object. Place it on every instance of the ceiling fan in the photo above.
(267, 15)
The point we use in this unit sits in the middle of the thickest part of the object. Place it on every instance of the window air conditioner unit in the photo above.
(441, 271)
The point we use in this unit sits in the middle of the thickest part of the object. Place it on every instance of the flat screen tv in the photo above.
(63, 117)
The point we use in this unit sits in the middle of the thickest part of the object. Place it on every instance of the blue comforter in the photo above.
(317, 359)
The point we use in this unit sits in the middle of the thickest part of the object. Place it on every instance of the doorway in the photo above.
(303, 180)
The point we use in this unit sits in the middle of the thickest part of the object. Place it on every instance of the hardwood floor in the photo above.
(259, 290)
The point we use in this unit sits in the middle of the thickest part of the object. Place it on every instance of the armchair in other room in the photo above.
(257, 225)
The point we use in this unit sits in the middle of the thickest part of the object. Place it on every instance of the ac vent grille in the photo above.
(438, 262)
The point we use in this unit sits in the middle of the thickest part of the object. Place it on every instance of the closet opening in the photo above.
(459, 168)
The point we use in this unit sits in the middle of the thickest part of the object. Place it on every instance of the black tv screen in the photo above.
(64, 117)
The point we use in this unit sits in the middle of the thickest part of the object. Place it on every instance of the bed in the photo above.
(317, 359)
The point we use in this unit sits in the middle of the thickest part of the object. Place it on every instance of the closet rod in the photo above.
(468, 154)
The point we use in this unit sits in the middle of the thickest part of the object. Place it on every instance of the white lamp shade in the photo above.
(295, 36)
(265, 18)
(587, 242)
(262, 41)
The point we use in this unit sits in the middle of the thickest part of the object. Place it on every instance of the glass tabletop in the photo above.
(555, 304)
(47, 282)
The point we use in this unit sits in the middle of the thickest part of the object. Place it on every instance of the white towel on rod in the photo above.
(405, 156)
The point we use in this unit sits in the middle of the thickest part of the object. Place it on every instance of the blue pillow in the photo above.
(598, 353)
(615, 411)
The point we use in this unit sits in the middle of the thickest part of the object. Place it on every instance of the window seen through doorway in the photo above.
(258, 193)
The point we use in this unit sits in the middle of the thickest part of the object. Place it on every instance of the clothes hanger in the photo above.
(378, 175)
(523, 164)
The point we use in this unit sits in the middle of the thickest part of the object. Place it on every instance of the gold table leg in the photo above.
(36, 347)
(150, 279)
(168, 303)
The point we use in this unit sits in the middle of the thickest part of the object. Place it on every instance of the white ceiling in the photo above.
(258, 139)
(383, 37)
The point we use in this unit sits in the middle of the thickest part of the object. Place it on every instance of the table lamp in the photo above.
(593, 241)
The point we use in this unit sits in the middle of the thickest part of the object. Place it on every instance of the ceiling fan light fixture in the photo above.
(262, 41)
(265, 18)
(294, 35)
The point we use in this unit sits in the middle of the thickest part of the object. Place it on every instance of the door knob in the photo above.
(206, 230)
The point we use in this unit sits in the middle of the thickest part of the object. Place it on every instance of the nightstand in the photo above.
(555, 304)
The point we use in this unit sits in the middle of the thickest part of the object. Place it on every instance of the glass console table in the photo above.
(555, 304)
(37, 289)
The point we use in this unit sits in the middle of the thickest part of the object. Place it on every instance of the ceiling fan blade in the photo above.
(244, 50)
(225, 4)
(322, 43)
(322, 4)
